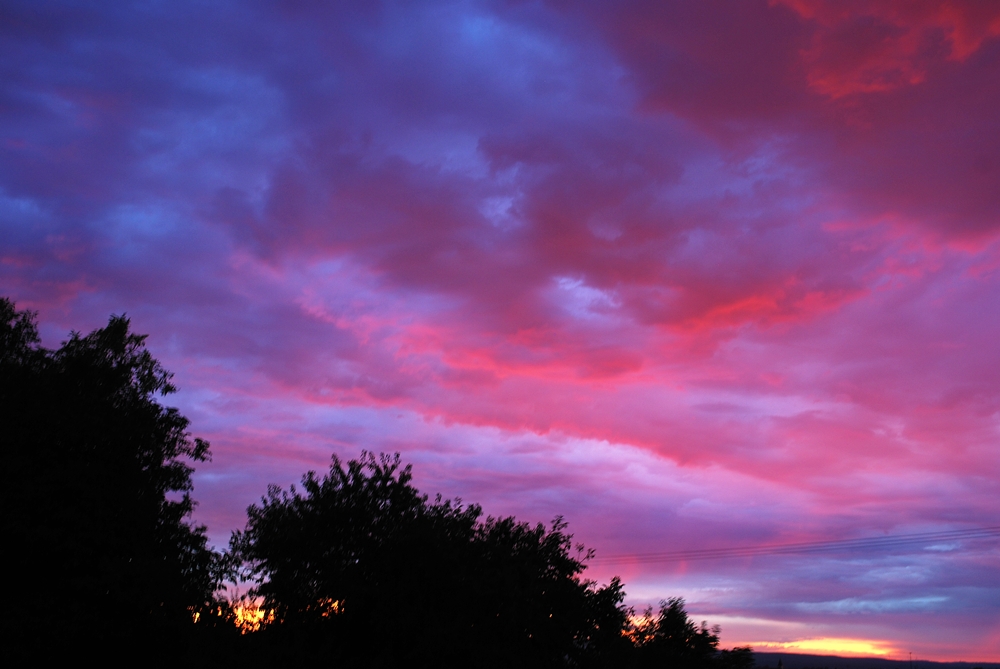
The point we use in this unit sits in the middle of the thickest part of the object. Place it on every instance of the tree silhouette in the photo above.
(359, 567)
(671, 639)
(96, 492)
(356, 568)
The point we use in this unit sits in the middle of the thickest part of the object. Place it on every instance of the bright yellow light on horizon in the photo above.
(863, 647)
(250, 617)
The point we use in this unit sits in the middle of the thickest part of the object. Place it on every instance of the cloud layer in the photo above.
(690, 274)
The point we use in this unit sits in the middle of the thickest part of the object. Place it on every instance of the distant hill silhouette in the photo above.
(803, 661)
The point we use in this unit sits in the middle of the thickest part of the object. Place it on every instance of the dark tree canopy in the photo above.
(356, 568)
(96, 486)
(672, 639)
(375, 574)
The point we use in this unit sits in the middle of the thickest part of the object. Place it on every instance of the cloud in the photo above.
(693, 275)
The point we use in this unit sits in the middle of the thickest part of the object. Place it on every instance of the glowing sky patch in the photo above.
(842, 647)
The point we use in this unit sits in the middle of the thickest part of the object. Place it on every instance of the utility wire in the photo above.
(844, 545)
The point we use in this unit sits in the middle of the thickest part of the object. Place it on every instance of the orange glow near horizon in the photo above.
(838, 646)
(250, 616)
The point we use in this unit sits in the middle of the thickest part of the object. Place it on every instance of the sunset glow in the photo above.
(693, 275)
(841, 647)
(251, 616)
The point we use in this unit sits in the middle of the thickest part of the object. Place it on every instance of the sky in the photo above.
(691, 275)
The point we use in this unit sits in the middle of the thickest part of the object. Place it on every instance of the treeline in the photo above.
(354, 568)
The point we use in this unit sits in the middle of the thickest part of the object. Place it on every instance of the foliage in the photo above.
(356, 568)
(671, 639)
(740, 657)
(97, 489)
(371, 572)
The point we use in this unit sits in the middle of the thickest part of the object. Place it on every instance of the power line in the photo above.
(808, 547)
